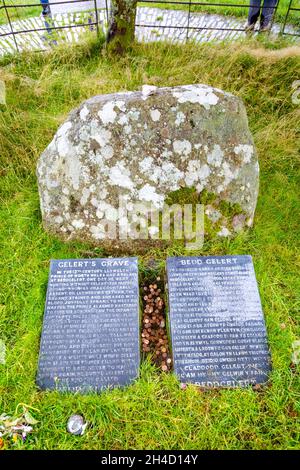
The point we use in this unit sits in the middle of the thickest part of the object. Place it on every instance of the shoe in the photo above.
(265, 28)
(249, 28)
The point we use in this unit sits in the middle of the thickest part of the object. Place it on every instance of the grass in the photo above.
(16, 14)
(41, 90)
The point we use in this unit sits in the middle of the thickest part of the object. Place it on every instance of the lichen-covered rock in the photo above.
(141, 146)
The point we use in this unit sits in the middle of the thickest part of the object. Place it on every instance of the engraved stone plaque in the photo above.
(217, 325)
(90, 337)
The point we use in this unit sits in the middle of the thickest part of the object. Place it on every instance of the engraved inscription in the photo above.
(90, 337)
(217, 325)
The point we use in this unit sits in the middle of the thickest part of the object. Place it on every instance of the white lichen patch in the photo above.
(100, 135)
(228, 173)
(98, 232)
(123, 119)
(180, 118)
(155, 115)
(107, 152)
(215, 156)
(73, 169)
(62, 145)
(111, 213)
(85, 196)
(245, 150)
(78, 223)
(121, 105)
(166, 154)
(134, 114)
(84, 113)
(128, 129)
(107, 114)
(59, 219)
(196, 172)
(64, 129)
(146, 164)
(182, 147)
(166, 174)
(120, 176)
(200, 94)
(148, 193)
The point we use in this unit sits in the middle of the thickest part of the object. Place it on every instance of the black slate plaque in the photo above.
(90, 337)
(217, 325)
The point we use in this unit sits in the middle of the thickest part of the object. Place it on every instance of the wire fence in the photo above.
(155, 20)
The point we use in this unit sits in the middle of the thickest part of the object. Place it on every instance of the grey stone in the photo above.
(139, 147)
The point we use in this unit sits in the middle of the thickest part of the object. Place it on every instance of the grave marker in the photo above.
(217, 325)
(90, 337)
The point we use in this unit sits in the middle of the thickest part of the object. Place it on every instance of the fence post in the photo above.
(10, 25)
(97, 19)
(107, 14)
(274, 14)
(188, 25)
(286, 17)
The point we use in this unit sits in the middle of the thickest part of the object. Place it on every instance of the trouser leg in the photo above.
(46, 8)
(254, 11)
(46, 15)
(267, 13)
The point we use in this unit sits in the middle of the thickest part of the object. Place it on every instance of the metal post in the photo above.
(107, 15)
(286, 17)
(188, 25)
(274, 14)
(10, 24)
(97, 19)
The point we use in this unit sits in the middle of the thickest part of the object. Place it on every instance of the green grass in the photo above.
(16, 14)
(152, 413)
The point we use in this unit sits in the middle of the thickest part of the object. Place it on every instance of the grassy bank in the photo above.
(153, 412)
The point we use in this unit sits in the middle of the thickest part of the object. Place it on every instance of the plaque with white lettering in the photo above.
(90, 337)
(217, 325)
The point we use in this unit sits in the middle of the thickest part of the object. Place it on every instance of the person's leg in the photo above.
(47, 18)
(254, 11)
(267, 14)
(46, 8)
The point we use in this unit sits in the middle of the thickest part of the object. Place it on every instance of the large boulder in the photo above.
(141, 146)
